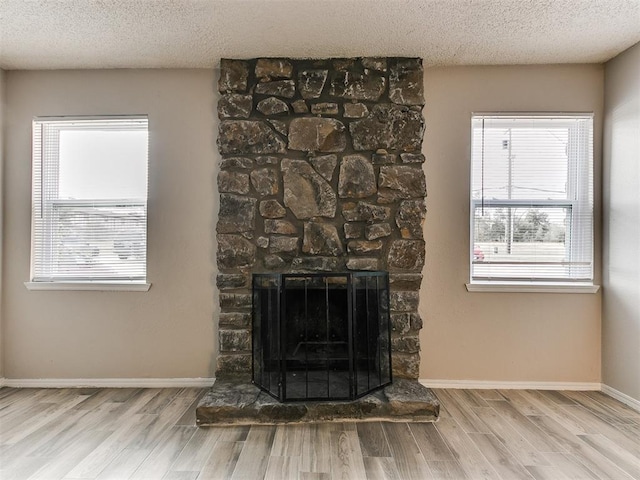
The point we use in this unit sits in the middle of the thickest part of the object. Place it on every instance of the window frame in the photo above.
(46, 205)
(580, 195)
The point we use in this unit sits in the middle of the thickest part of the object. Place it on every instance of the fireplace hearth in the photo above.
(322, 336)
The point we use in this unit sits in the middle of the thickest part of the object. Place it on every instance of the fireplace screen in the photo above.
(321, 336)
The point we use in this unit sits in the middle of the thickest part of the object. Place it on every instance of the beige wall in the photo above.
(2, 109)
(621, 274)
(497, 336)
(168, 331)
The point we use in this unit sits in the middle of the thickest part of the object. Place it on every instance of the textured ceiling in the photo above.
(55, 34)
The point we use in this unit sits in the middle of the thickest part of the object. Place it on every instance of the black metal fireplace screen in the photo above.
(321, 336)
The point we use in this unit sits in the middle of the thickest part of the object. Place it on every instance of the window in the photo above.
(532, 199)
(89, 211)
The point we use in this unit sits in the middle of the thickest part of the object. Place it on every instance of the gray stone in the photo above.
(405, 281)
(234, 340)
(405, 365)
(265, 181)
(311, 82)
(361, 263)
(272, 106)
(408, 344)
(233, 76)
(357, 178)
(233, 365)
(379, 64)
(233, 401)
(409, 218)
(412, 158)
(324, 108)
(273, 68)
(364, 247)
(400, 323)
(236, 162)
(248, 136)
(237, 214)
(235, 301)
(279, 126)
(352, 230)
(235, 252)
(235, 105)
(325, 165)
(274, 262)
(383, 158)
(311, 134)
(406, 81)
(226, 281)
(377, 230)
(357, 86)
(390, 127)
(401, 181)
(406, 255)
(233, 182)
(279, 88)
(267, 159)
(410, 397)
(281, 227)
(300, 106)
(272, 209)
(416, 322)
(306, 193)
(404, 301)
(343, 64)
(355, 110)
(280, 244)
(365, 212)
(321, 239)
(234, 319)
(262, 242)
(317, 264)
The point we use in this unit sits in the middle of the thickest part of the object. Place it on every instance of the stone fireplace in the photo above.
(321, 171)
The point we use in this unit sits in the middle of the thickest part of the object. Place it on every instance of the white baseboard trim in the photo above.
(107, 382)
(621, 397)
(493, 385)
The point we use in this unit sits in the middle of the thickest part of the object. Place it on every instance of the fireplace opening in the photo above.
(321, 336)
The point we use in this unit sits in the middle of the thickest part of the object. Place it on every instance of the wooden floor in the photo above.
(150, 434)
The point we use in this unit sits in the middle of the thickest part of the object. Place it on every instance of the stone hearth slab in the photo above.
(232, 402)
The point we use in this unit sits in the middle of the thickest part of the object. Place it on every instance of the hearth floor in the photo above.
(232, 402)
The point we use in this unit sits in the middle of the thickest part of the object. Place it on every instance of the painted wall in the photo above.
(168, 331)
(2, 110)
(621, 242)
(530, 337)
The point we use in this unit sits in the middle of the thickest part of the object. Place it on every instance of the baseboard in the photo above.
(621, 397)
(2, 382)
(493, 385)
(107, 382)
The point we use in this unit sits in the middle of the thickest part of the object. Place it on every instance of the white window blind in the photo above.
(89, 211)
(532, 198)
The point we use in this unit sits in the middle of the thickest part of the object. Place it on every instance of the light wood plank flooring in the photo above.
(150, 434)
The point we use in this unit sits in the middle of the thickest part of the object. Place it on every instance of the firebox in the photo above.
(321, 336)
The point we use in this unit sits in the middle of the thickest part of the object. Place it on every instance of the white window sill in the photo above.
(531, 288)
(96, 286)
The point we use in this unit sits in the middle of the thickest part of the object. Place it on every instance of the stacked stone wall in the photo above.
(320, 170)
